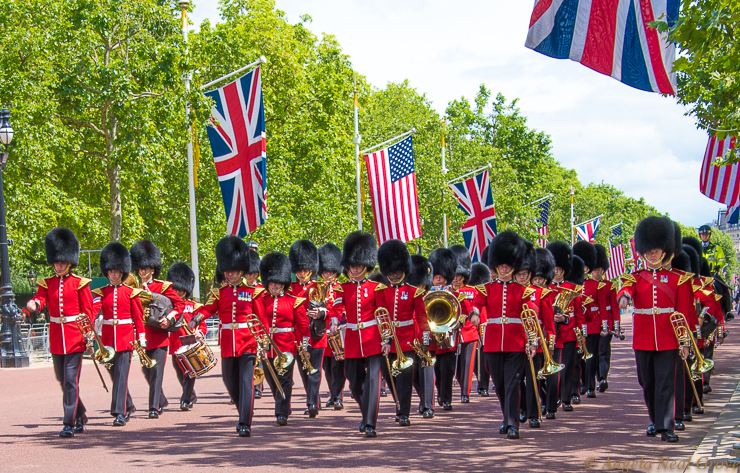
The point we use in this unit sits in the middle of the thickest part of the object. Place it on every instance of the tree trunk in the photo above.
(114, 181)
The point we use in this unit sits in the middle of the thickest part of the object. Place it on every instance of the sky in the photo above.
(639, 142)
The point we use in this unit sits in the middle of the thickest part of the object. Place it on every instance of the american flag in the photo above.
(587, 231)
(393, 192)
(542, 228)
(617, 266)
(616, 234)
(237, 136)
(720, 183)
(611, 37)
(476, 200)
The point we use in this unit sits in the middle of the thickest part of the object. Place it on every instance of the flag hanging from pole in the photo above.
(732, 217)
(617, 266)
(587, 231)
(542, 222)
(392, 179)
(476, 200)
(617, 233)
(237, 136)
(720, 183)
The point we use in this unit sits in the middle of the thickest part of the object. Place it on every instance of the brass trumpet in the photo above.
(305, 357)
(532, 325)
(103, 354)
(335, 342)
(429, 360)
(146, 362)
(581, 340)
(263, 339)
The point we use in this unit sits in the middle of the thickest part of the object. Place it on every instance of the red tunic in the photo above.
(330, 297)
(652, 328)
(123, 316)
(188, 313)
(297, 289)
(359, 299)
(503, 302)
(67, 297)
(596, 307)
(156, 337)
(608, 293)
(285, 317)
(575, 313)
(469, 333)
(544, 299)
(405, 304)
(233, 304)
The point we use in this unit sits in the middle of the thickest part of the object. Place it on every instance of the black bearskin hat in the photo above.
(62, 246)
(377, 276)
(577, 272)
(682, 262)
(587, 253)
(695, 244)
(145, 254)
(602, 258)
(678, 242)
(655, 233)
(303, 255)
(693, 258)
(479, 274)
(359, 249)
(545, 265)
(231, 254)
(704, 268)
(421, 272)
(182, 277)
(275, 267)
(530, 259)
(115, 256)
(507, 248)
(330, 257)
(393, 256)
(464, 261)
(219, 276)
(563, 255)
(254, 261)
(444, 263)
(484, 255)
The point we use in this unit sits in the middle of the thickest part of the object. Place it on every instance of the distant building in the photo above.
(731, 229)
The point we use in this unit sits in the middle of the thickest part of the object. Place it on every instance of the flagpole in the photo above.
(591, 220)
(540, 199)
(395, 138)
(184, 4)
(444, 173)
(356, 140)
(572, 215)
(452, 181)
(259, 61)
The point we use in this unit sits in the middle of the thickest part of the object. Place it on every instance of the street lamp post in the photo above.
(11, 348)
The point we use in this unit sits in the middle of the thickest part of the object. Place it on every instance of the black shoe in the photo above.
(190, 405)
(305, 413)
(193, 401)
(184, 406)
(560, 403)
(244, 431)
(669, 436)
(447, 406)
(258, 394)
(282, 420)
(129, 412)
(465, 399)
(534, 423)
(544, 410)
(370, 432)
(513, 433)
(153, 414)
(707, 389)
(591, 394)
(329, 404)
(161, 409)
(80, 424)
(120, 421)
(651, 432)
(313, 411)
(383, 393)
(231, 401)
(404, 422)
(697, 410)
(576, 399)
(363, 428)
(522, 418)
(66, 432)
(603, 385)
(428, 414)
(483, 392)
(338, 405)
(502, 430)
(583, 390)
(398, 418)
(688, 416)
(550, 416)
(680, 425)
(567, 408)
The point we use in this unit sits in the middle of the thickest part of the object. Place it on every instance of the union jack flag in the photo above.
(587, 231)
(544, 208)
(609, 36)
(237, 136)
(476, 200)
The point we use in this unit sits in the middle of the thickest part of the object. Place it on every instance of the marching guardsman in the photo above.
(713, 252)
(420, 276)
(468, 332)
(363, 346)
(542, 279)
(594, 307)
(713, 325)
(147, 264)
(505, 342)
(285, 316)
(252, 279)
(67, 296)
(304, 262)
(330, 268)
(610, 320)
(182, 278)
(405, 304)
(480, 275)
(656, 297)
(123, 324)
(233, 303)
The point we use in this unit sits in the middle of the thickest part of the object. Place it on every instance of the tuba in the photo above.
(317, 295)
(444, 316)
(534, 331)
(565, 297)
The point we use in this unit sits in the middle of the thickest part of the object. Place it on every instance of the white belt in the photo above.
(117, 321)
(504, 320)
(282, 330)
(64, 320)
(361, 325)
(594, 309)
(656, 310)
(403, 324)
(234, 325)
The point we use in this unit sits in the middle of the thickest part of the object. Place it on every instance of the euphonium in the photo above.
(305, 357)
(429, 360)
(335, 342)
(582, 344)
(686, 339)
(532, 325)
(263, 339)
(565, 297)
(146, 362)
(444, 316)
(388, 331)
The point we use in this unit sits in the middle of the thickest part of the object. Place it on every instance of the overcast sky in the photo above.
(639, 142)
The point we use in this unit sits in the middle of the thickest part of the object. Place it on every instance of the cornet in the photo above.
(428, 359)
(582, 344)
(305, 357)
(146, 362)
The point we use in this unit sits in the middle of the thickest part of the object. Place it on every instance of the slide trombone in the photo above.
(263, 345)
(103, 354)
(263, 338)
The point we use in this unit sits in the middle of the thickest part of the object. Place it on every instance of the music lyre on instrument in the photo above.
(103, 354)
(531, 330)
(385, 327)
(263, 346)
(686, 339)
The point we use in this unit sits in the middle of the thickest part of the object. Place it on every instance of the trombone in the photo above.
(262, 337)
(103, 354)
(385, 327)
(263, 342)
(550, 366)
(686, 339)
(530, 321)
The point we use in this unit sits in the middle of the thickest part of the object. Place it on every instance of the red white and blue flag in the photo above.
(612, 37)
(720, 183)
(617, 264)
(587, 231)
(542, 227)
(392, 179)
(476, 200)
(237, 136)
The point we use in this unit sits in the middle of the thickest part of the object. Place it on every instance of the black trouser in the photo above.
(578, 372)
(484, 378)
(528, 397)
(282, 406)
(506, 368)
(570, 359)
(680, 377)
(363, 375)
(592, 364)
(121, 401)
(465, 368)
(423, 381)
(656, 371)
(67, 369)
(154, 377)
(334, 373)
(605, 356)
(404, 382)
(312, 383)
(444, 374)
(238, 374)
(708, 353)
(552, 384)
(187, 383)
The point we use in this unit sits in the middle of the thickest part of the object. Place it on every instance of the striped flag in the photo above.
(542, 228)
(609, 36)
(732, 217)
(392, 178)
(587, 231)
(720, 183)
(617, 266)
(476, 200)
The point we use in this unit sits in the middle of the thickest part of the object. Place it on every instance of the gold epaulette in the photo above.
(166, 285)
(339, 288)
(258, 291)
(579, 289)
(601, 286)
(420, 292)
(135, 292)
(215, 294)
(706, 292)
(717, 297)
(461, 296)
(98, 292)
(211, 299)
(482, 289)
(196, 306)
(528, 292)
(42, 283)
(299, 302)
(695, 288)
(615, 286)
(380, 286)
(685, 277)
(545, 292)
(83, 282)
(587, 300)
(629, 278)
(707, 280)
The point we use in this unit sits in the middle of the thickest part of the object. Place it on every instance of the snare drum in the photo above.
(196, 359)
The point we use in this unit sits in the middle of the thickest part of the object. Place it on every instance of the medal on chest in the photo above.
(245, 296)
(364, 294)
(404, 296)
(663, 278)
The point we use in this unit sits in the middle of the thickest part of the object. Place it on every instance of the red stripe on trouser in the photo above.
(471, 367)
(77, 385)
(377, 403)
